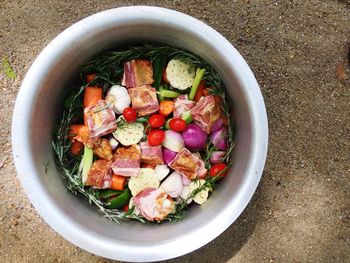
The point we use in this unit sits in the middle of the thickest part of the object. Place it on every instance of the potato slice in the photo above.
(180, 74)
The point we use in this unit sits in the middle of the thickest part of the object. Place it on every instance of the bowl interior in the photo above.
(37, 109)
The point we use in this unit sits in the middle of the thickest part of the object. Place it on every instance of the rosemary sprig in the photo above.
(182, 203)
(109, 69)
(61, 145)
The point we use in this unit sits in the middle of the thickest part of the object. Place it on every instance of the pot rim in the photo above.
(26, 169)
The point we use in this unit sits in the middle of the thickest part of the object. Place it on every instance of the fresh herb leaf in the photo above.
(109, 68)
(8, 69)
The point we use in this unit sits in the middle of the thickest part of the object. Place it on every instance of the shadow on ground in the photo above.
(233, 239)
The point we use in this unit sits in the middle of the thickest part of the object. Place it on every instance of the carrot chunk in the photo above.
(76, 147)
(118, 182)
(200, 91)
(166, 107)
(92, 95)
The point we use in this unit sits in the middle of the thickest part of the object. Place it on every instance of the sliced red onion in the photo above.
(173, 185)
(161, 170)
(168, 155)
(217, 125)
(194, 137)
(216, 157)
(185, 180)
(219, 138)
(173, 141)
(113, 142)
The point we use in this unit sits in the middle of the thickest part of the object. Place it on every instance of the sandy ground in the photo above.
(299, 53)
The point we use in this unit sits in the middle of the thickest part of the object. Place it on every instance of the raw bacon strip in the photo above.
(206, 113)
(144, 100)
(137, 72)
(99, 175)
(151, 154)
(182, 104)
(100, 119)
(154, 204)
(189, 165)
(127, 161)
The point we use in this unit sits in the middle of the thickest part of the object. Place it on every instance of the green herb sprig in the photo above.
(70, 167)
(109, 69)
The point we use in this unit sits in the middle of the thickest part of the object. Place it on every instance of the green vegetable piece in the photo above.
(158, 66)
(119, 201)
(167, 126)
(186, 116)
(105, 194)
(160, 97)
(196, 81)
(169, 93)
(8, 69)
(86, 163)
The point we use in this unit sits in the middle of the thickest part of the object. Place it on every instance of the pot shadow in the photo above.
(225, 246)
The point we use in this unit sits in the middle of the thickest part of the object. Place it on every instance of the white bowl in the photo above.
(37, 109)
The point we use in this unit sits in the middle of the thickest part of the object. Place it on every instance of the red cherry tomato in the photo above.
(217, 169)
(177, 124)
(156, 120)
(129, 114)
(156, 137)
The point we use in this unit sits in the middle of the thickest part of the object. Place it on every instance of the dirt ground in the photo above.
(299, 52)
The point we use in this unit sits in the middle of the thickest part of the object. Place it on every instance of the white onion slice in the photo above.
(161, 170)
(173, 185)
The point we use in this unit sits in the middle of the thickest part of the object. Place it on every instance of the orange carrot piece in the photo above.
(78, 129)
(166, 107)
(92, 95)
(200, 90)
(206, 92)
(90, 77)
(76, 147)
(118, 182)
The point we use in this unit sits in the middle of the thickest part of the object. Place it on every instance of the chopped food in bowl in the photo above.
(133, 146)
(139, 136)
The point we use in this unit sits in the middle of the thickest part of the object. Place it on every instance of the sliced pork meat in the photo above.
(151, 154)
(144, 100)
(103, 149)
(188, 164)
(99, 175)
(154, 204)
(100, 119)
(127, 160)
(137, 72)
(182, 104)
(206, 113)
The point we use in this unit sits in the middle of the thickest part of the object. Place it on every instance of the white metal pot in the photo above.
(36, 112)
